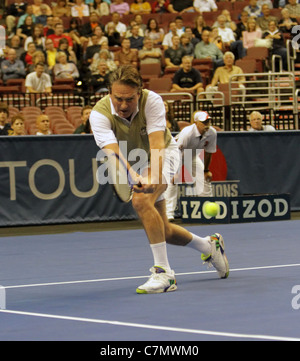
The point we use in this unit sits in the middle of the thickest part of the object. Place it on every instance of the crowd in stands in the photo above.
(84, 40)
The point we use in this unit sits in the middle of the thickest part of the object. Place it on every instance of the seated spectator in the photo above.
(138, 18)
(160, 6)
(12, 68)
(85, 115)
(179, 25)
(14, 11)
(172, 124)
(17, 124)
(126, 55)
(140, 7)
(228, 22)
(104, 46)
(154, 32)
(43, 125)
(227, 35)
(191, 36)
(187, 78)
(103, 55)
(293, 7)
(119, 26)
(207, 50)
(101, 38)
(63, 46)
(64, 69)
(59, 34)
(92, 49)
(129, 27)
(28, 12)
(252, 33)
(42, 19)
(222, 74)
(38, 81)
(241, 25)
(149, 54)
(88, 28)
(51, 52)
(228, 38)
(113, 36)
(36, 8)
(37, 38)
(61, 9)
(253, 9)
(167, 40)
(26, 56)
(80, 9)
(39, 57)
(202, 6)
(100, 7)
(26, 30)
(174, 54)
(99, 81)
(186, 44)
(119, 6)
(49, 27)
(15, 43)
(200, 26)
(136, 41)
(286, 22)
(263, 21)
(256, 125)
(216, 39)
(74, 33)
(4, 114)
(278, 44)
(181, 6)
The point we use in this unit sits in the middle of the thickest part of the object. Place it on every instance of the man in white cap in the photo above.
(192, 140)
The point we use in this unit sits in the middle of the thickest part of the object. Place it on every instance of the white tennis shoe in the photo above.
(217, 258)
(160, 281)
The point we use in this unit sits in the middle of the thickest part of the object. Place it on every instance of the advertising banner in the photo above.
(52, 179)
(255, 208)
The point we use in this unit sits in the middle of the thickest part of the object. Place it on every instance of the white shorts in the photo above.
(171, 165)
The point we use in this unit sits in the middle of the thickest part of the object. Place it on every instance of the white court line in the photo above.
(154, 327)
(137, 277)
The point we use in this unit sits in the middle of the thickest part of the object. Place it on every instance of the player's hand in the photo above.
(144, 185)
(136, 179)
(144, 188)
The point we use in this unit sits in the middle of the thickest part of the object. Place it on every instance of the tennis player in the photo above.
(137, 116)
(200, 135)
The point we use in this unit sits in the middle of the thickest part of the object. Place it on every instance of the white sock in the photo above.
(200, 244)
(159, 251)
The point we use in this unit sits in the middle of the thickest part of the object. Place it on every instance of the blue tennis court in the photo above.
(81, 286)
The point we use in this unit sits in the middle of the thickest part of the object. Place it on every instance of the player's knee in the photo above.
(139, 203)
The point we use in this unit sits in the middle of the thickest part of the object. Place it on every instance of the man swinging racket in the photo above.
(137, 116)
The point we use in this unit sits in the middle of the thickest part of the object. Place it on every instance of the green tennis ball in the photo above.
(211, 208)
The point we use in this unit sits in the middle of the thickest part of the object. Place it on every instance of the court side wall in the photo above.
(52, 179)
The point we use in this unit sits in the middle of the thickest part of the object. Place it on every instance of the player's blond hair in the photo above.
(127, 75)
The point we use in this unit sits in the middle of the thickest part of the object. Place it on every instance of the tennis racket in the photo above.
(120, 178)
